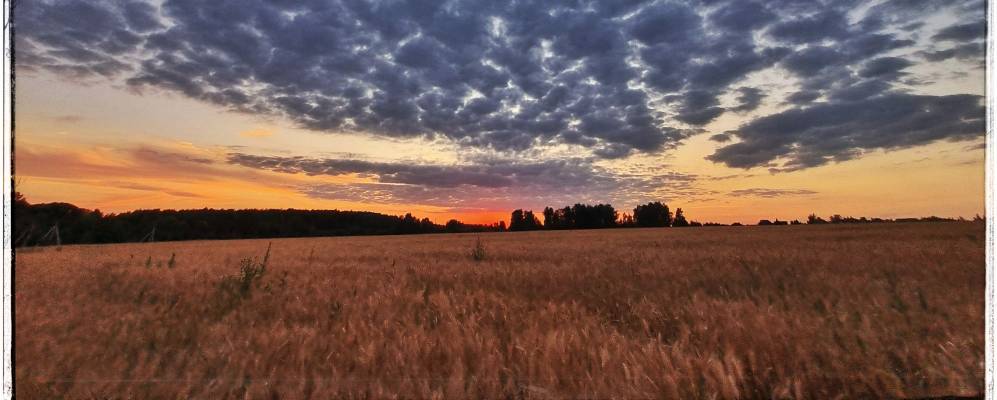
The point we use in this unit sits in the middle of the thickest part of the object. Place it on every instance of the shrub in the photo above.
(478, 252)
(232, 289)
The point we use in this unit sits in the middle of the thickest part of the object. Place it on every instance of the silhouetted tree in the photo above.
(597, 216)
(627, 220)
(580, 216)
(652, 215)
(453, 226)
(523, 221)
(516, 220)
(814, 219)
(532, 223)
(679, 221)
(551, 220)
(409, 224)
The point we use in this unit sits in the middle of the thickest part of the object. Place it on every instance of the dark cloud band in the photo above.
(483, 182)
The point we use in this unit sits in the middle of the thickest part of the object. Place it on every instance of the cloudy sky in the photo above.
(733, 110)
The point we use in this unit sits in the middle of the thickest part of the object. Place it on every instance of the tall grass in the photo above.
(796, 312)
(478, 251)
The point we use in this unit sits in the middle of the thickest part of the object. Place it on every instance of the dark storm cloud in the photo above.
(617, 78)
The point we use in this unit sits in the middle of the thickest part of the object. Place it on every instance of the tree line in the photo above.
(585, 216)
(64, 223)
(657, 214)
(51, 223)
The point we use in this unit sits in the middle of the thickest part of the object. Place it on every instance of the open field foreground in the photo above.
(890, 310)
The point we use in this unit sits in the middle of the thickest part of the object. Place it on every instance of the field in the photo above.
(888, 310)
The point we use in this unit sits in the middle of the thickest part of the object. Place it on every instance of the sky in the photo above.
(732, 110)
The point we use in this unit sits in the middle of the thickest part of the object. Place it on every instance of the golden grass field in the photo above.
(888, 310)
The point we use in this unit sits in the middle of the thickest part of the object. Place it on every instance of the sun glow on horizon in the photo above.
(867, 110)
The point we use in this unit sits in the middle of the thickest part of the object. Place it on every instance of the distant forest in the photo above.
(51, 223)
(64, 223)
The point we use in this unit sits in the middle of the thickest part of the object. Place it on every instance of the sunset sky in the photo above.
(732, 110)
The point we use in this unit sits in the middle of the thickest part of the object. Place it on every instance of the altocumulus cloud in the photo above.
(617, 77)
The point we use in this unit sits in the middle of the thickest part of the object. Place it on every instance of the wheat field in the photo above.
(887, 310)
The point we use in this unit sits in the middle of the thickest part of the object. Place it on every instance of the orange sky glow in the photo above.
(869, 110)
(97, 166)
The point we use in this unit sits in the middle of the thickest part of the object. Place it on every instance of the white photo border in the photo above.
(991, 171)
(7, 382)
(7, 321)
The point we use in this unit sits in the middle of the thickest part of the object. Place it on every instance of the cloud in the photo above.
(257, 133)
(149, 188)
(749, 99)
(125, 164)
(480, 171)
(828, 24)
(447, 176)
(483, 182)
(813, 60)
(836, 131)
(721, 137)
(884, 66)
(803, 97)
(616, 78)
(167, 157)
(966, 52)
(770, 193)
(69, 119)
(963, 33)
(728, 177)
(741, 16)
